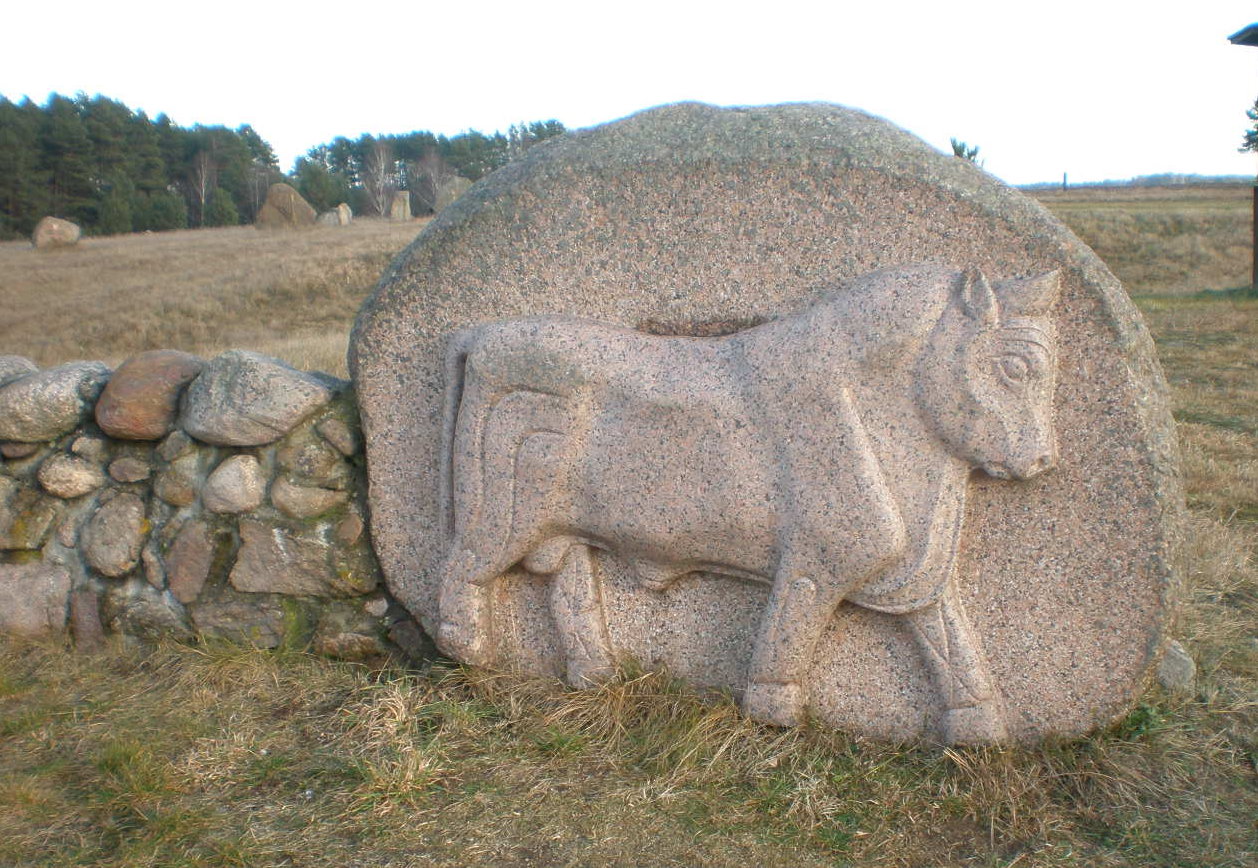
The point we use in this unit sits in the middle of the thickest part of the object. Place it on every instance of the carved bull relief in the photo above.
(826, 454)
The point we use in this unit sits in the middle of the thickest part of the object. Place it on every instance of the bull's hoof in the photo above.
(464, 645)
(975, 725)
(778, 704)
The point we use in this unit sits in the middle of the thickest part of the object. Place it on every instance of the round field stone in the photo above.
(141, 400)
(690, 219)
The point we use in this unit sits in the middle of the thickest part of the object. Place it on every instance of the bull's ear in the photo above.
(977, 299)
(1033, 296)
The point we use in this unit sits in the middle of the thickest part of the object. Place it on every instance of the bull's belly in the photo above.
(678, 485)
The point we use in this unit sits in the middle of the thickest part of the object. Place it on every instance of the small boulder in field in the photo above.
(55, 232)
(285, 209)
(341, 215)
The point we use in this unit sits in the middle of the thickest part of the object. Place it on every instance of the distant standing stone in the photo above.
(400, 205)
(248, 399)
(285, 209)
(69, 476)
(141, 400)
(236, 485)
(34, 599)
(44, 405)
(115, 535)
(55, 232)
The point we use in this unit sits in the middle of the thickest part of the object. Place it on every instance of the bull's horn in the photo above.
(1033, 296)
(977, 299)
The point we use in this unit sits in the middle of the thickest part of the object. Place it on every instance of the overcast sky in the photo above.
(1096, 89)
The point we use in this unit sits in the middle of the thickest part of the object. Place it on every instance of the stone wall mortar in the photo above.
(259, 536)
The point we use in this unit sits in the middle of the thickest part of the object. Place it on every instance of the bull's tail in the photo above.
(455, 376)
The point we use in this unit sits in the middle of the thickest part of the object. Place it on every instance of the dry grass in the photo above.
(228, 756)
(1164, 239)
(290, 294)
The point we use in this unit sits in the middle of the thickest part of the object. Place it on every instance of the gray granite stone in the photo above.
(694, 221)
(68, 476)
(236, 485)
(115, 535)
(15, 367)
(303, 501)
(189, 560)
(128, 468)
(44, 405)
(275, 560)
(179, 483)
(1177, 673)
(248, 399)
(34, 599)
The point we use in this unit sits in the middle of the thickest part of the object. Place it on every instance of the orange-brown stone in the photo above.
(141, 401)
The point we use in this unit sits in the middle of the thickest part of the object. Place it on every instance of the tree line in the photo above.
(112, 170)
(366, 172)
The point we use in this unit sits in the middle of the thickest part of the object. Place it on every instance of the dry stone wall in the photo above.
(176, 496)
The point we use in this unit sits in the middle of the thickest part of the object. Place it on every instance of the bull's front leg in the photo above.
(972, 710)
(576, 605)
(800, 606)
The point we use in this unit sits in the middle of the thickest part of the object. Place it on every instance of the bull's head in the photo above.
(986, 376)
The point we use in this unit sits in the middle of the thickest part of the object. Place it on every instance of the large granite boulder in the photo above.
(53, 232)
(1000, 531)
(285, 208)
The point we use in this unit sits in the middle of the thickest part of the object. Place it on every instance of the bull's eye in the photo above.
(1014, 370)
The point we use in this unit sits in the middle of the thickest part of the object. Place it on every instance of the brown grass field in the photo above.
(227, 756)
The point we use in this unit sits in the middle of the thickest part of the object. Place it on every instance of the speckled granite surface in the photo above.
(688, 216)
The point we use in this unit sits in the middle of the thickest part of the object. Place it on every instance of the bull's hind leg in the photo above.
(576, 605)
(493, 440)
(972, 711)
(466, 629)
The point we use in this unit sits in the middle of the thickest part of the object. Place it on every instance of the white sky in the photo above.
(1097, 89)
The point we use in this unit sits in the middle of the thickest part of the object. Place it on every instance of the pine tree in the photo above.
(65, 152)
(220, 210)
(113, 215)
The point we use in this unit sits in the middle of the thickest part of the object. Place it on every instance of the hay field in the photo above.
(289, 294)
(1162, 240)
(225, 756)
